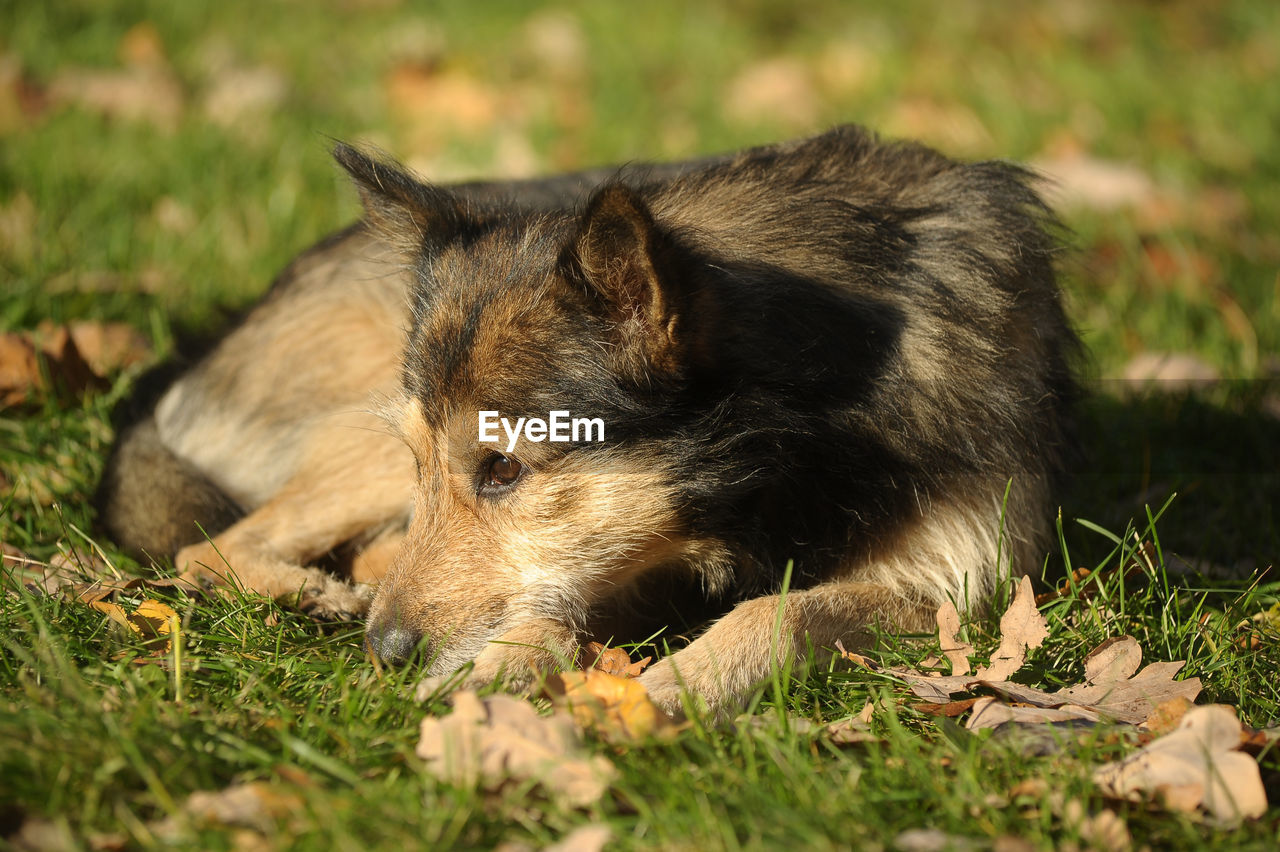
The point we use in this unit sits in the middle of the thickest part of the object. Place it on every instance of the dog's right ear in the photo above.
(414, 216)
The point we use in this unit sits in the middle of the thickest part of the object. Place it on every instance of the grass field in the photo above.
(159, 162)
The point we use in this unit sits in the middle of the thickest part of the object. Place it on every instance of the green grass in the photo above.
(92, 732)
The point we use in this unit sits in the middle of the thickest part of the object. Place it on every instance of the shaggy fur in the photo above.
(837, 354)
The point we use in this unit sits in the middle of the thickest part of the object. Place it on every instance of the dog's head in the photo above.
(545, 356)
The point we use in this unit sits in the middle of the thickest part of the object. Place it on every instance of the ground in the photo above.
(160, 162)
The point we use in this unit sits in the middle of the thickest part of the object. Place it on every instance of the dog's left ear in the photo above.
(414, 216)
(628, 262)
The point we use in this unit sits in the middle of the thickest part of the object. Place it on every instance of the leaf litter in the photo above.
(498, 740)
(1195, 758)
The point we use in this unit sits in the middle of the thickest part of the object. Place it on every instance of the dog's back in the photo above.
(838, 354)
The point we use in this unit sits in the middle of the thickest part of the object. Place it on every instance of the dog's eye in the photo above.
(500, 471)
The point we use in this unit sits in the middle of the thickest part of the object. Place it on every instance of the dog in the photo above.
(836, 365)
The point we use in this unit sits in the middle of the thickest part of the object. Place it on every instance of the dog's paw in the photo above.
(328, 598)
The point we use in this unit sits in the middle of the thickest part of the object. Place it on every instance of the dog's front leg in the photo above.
(355, 481)
(738, 653)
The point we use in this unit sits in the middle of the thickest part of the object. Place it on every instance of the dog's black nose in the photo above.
(391, 642)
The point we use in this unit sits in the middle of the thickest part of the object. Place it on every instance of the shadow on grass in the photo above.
(1217, 448)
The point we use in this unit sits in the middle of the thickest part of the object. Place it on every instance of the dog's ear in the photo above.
(414, 216)
(628, 262)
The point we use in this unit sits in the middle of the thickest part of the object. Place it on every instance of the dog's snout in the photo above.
(391, 641)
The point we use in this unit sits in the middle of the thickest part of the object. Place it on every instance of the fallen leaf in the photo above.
(105, 347)
(937, 690)
(584, 838)
(1195, 766)
(1134, 699)
(989, 712)
(426, 96)
(141, 46)
(1084, 585)
(255, 805)
(857, 659)
(1171, 372)
(1031, 788)
(779, 90)
(614, 661)
(1077, 180)
(142, 93)
(1115, 659)
(949, 709)
(932, 840)
(1022, 628)
(18, 220)
(42, 835)
(1167, 715)
(850, 732)
(499, 739)
(1129, 699)
(956, 652)
(555, 40)
(1105, 832)
(616, 708)
(19, 369)
(950, 126)
(151, 620)
(240, 95)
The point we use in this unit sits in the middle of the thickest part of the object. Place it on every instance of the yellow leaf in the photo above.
(617, 708)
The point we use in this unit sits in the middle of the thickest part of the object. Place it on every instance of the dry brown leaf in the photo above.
(499, 739)
(989, 712)
(933, 840)
(1022, 628)
(857, 659)
(1114, 660)
(19, 369)
(241, 95)
(1031, 788)
(18, 220)
(950, 126)
(145, 93)
(1169, 371)
(950, 709)
(850, 732)
(1166, 716)
(616, 708)
(1130, 699)
(1195, 766)
(107, 346)
(426, 96)
(1134, 699)
(1105, 832)
(1077, 180)
(779, 90)
(555, 41)
(956, 652)
(584, 838)
(255, 805)
(936, 690)
(1256, 740)
(614, 661)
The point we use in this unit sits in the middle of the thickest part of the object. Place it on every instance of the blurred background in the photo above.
(161, 161)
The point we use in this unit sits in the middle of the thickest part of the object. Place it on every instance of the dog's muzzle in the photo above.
(391, 642)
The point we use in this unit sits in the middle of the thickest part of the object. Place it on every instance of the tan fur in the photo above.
(315, 433)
